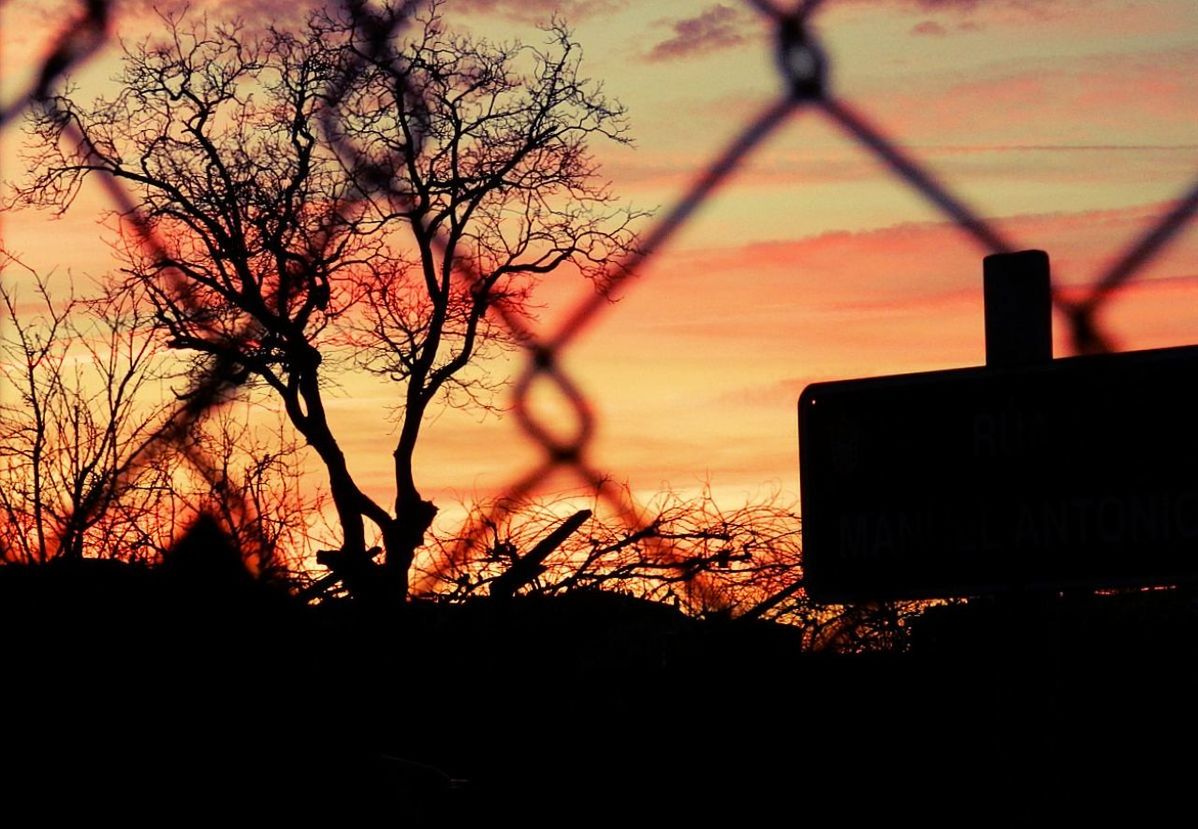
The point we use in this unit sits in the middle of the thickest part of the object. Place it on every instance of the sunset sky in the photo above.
(1068, 123)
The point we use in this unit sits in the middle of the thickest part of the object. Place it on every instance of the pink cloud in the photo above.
(254, 13)
(260, 13)
(1103, 99)
(718, 27)
(865, 271)
(929, 27)
(967, 6)
(532, 11)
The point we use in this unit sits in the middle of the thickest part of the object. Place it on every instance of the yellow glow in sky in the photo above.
(1068, 124)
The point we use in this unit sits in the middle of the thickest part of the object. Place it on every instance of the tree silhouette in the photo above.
(743, 554)
(74, 411)
(275, 248)
(81, 471)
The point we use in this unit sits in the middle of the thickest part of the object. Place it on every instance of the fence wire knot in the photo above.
(801, 59)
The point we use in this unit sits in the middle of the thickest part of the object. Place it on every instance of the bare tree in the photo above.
(213, 135)
(257, 494)
(466, 155)
(481, 151)
(81, 398)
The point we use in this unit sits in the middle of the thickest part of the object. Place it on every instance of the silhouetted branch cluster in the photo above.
(744, 553)
(79, 378)
(84, 382)
(707, 560)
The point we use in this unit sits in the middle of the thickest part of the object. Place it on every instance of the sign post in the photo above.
(1018, 300)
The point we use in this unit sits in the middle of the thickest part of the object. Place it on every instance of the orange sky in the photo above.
(1070, 123)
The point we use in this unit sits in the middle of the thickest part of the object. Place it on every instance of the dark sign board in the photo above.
(1079, 472)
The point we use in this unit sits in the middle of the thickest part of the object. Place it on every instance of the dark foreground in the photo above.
(155, 697)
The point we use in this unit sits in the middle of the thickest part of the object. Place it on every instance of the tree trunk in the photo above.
(413, 514)
(347, 498)
(313, 424)
(348, 504)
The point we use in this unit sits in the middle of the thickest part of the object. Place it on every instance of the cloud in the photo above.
(967, 5)
(1100, 99)
(1014, 10)
(535, 11)
(839, 275)
(261, 13)
(134, 19)
(716, 28)
(929, 27)
(971, 5)
(934, 29)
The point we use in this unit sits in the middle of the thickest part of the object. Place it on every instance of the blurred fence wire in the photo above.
(803, 65)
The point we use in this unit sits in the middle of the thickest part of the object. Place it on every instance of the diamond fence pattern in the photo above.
(803, 65)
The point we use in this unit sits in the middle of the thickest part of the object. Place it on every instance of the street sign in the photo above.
(1079, 472)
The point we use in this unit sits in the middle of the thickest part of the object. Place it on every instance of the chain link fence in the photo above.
(803, 66)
